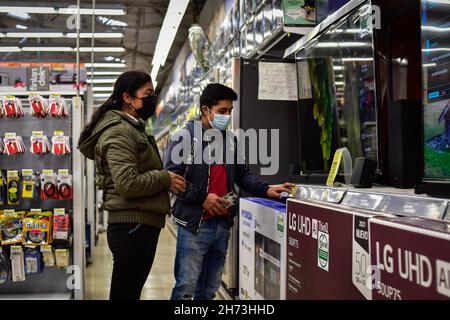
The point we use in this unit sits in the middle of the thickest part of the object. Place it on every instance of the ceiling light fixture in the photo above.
(169, 29)
(66, 10)
(105, 65)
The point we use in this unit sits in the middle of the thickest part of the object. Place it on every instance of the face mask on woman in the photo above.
(148, 107)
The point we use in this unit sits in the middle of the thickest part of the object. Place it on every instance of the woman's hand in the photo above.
(177, 183)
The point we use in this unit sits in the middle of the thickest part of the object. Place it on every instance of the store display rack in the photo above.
(63, 281)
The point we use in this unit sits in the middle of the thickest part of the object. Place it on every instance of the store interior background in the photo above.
(370, 76)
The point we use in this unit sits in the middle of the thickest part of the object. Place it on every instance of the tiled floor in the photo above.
(159, 283)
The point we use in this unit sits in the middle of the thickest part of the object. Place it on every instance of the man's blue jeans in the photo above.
(200, 260)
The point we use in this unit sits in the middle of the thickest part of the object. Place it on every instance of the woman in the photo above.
(130, 171)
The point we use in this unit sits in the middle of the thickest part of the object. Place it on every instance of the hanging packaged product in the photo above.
(48, 256)
(38, 105)
(13, 187)
(57, 106)
(14, 144)
(64, 185)
(48, 185)
(17, 264)
(61, 224)
(12, 107)
(28, 184)
(3, 188)
(34, 262)
(39, 143)
(11, 227)
(62, 258)
(60, 144)
(37, 228)
(2, 147)
(5, 270)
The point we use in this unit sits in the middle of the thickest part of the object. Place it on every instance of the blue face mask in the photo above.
(220, 121)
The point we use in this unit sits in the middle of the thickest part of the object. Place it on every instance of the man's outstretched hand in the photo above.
(275, 192)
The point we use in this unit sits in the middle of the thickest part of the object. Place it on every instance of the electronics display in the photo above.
(337, 93)
(327, 7)
(436, 83)
(259, 28)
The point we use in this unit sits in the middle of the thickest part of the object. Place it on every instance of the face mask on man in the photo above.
(148, 107)
(220, 121)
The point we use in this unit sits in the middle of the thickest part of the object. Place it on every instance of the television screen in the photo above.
(337, 98)
(436, 74)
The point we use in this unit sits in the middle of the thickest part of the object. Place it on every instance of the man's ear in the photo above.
(204, 111)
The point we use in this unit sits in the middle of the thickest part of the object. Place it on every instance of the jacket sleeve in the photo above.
(250, 183)
(194, 193)
(121, 156)
(246, 180)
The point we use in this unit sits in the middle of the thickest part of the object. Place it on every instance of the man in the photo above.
(203, 215)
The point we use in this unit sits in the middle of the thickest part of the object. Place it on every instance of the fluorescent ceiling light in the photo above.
(19, 26)
(66, 10)
(19, 15)
(436, 50)
(101, 95)
(113, 80)
(112, 22)
(339, 83)
(97, 35)
(429, 65)
(73, 49)
(337, 68)
(435, 29)
(105, 65)
(34, 35)
(104, 73)
(342, 44)
(9, 49)
(169, 29)
(356, 59)
(102, 89)
(109, 58)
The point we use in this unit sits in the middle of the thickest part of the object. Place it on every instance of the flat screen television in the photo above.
(337, 100)
(436, 86)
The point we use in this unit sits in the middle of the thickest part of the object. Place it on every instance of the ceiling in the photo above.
(144, 19)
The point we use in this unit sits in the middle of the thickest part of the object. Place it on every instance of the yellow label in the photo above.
(47, 172)
(335, 167)
(63, 171)
(10, 97)
(58, 212)
(9, 212)
(27, 172)
(12, 174)
(58, 133)
(37, 133)
(46, 248)
(38, 211)
(16, 249)
(10, 135)
(55, 95)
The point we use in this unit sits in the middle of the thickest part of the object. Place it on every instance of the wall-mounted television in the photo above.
(337, 100)
(436, 86)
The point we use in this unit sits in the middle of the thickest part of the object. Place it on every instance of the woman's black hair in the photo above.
(128, 82)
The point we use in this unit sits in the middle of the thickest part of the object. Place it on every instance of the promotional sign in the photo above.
(412, 257)
(38, 78)
(16, 77)
(326, 251)
(262, 250)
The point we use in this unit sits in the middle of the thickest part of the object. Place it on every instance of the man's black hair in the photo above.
(214, 92)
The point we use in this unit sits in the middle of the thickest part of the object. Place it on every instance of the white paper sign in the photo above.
(304, 81)
(277, 81)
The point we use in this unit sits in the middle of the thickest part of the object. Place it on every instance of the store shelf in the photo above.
(38, 296)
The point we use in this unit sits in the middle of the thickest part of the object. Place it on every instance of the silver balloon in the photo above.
(199, 45)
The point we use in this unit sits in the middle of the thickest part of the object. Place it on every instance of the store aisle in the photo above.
(159, 283)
